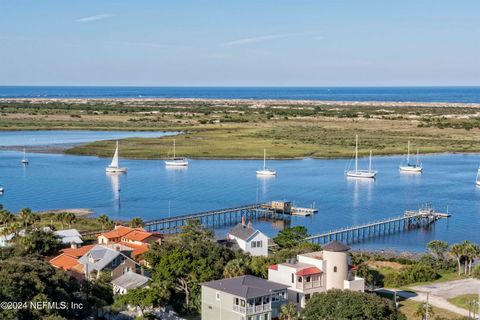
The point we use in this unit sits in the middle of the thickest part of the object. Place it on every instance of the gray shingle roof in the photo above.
(242, 231)
(335, 246)
(69, 235)
(245, 286)
(101, 255)
(130, 280)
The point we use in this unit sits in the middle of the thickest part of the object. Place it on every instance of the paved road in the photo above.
(440, 292)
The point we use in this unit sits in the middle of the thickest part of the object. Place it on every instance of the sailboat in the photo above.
(24, 160)
(113, 167)
(265, 171)
(358, 173)
(411, 167)
(178, 162)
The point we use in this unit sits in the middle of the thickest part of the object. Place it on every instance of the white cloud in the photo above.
(244, 41)
(95, 17)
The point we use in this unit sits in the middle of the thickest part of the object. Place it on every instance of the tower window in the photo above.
(335, 269)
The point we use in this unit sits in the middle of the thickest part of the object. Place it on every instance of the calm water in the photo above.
(150, 190)
(416, 94)
(48, 137)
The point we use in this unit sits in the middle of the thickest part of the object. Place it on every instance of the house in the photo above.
(316, 272)
(105, 259)
(249, 239)
(69, 237)
(131, 235)
(129, 280)
(242, 298)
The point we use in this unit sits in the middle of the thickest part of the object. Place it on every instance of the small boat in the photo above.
(2, 189)
(358, 173)
(265, 171)
(176, 161)
(24, 160)
(411, 167)
(113, 167)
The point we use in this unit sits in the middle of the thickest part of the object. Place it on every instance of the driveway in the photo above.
(440, 292)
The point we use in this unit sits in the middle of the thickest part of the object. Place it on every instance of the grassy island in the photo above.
(242, 129)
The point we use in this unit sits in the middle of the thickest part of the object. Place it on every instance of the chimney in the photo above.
(243, 220)
(73, 245)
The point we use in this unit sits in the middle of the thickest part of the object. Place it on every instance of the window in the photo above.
(335, 269)
(122, 259)
(299, 279)
(114, 262)
(307, 279)
(298, 297)
(218, 295)
(293, 278)
(256, 244)
(307, 297)
(236, 301)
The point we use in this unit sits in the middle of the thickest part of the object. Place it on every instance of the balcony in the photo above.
(252, 309)
(308, 285)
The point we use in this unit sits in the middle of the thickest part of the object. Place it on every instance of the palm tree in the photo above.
(6, 217)
(234, 268)
(24, 215)
(70, 218)
(14, 228)
(456, 251)
(470, 253)
(137, 222)
(33, 219)
(104, 220)
(422, 310)
(289, 311)
(60, 217)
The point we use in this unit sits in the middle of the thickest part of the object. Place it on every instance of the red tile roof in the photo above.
(119, 232)
(137, 235)
(77, 252)
(273, 267)
(64, 262)
(309, 271)
(138, 249)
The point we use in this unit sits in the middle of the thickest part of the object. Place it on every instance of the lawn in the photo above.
(465, 301)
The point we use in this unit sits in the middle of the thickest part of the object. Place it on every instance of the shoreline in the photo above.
(368, 103)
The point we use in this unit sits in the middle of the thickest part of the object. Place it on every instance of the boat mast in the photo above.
(370, 162)
(408, 152)
(356, 153)
(264, 158)
(417, 158)
(173, 148)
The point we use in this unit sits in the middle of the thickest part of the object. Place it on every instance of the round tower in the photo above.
(335, 255)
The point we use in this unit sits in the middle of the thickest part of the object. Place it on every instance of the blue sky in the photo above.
(246, 43)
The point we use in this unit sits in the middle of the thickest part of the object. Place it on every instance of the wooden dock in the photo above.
(215, 218)
(409, 221)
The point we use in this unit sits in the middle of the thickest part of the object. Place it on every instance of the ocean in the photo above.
(403, 94)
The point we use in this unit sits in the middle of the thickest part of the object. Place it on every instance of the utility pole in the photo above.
(427, 316)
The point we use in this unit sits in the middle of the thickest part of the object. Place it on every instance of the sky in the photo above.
(240, 43)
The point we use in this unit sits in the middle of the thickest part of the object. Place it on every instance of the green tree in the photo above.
(258, 266)
(136, 223)
(339, 304)
(104, 220)
(143, 298)
(60, 217)
(70, 218)
(456, 251)
(438, 248)
(366, 273)
(6, 217)
(234, 268)
(38, 241)
(289, 311)
(291, 236)
(25, 216)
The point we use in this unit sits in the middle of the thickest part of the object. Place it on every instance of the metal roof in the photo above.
(245, 286)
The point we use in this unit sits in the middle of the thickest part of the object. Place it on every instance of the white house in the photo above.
(70, 236)
(249, 239)
(317, 272)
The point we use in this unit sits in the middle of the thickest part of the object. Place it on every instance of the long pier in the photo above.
(410, 220)
(215, 218)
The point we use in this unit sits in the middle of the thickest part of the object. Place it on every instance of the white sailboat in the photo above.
(265, 171)
(113, 167)
(358, 173)
(24, 160)
(478, 177)
(411, 167)
(177, 162)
